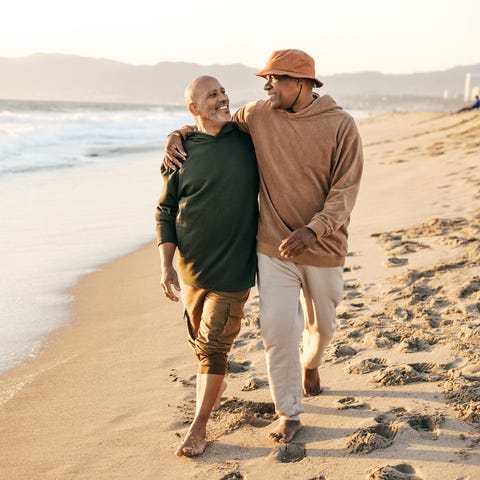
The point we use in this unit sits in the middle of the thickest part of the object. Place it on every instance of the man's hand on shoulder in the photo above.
(174, 154)
(297, 242)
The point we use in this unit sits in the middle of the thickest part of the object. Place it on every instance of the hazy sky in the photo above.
(391, 36)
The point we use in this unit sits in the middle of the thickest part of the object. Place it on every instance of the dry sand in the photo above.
(112, 393)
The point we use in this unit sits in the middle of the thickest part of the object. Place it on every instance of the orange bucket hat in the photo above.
(294, 63)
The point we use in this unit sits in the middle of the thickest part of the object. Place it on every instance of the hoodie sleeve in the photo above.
(167, 207)
(345, 177)
(243, 117)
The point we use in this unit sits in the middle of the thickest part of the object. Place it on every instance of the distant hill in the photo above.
(74, 78)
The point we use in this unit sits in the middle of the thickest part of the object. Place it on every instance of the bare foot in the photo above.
(216, 405)
(285, 431)
(311, 382)
(193, 445)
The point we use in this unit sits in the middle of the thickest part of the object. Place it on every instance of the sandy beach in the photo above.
(112, 393)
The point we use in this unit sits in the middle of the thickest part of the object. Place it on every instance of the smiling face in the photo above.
(281, 90)
(208, 100)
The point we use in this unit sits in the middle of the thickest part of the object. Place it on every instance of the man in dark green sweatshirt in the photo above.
(208, 211)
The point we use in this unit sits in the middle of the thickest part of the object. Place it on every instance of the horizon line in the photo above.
(74, 55)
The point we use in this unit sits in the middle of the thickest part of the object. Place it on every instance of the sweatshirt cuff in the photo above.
(317, 227)
(166, 237)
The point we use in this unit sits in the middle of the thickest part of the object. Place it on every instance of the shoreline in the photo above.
(111, 393)
(59, 226)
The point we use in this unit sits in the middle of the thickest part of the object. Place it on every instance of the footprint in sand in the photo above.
(232, 476)
(235, 413)
(409, 345)
(376, 340)
(395, 262)
(402, 471)
(254, 383)
(289, 452)
(386, 426)
(404, 247)
(344, 350)
(393, 311)
(472, 287)
(191, 382)
(339, 352)
(409, 373)
(420, 422)
(238, 367)
(349, 402)
(368, 439)
(425, 423)
(390, 416)
(366, 366)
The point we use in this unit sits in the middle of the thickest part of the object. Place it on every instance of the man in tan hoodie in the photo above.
(310, 162)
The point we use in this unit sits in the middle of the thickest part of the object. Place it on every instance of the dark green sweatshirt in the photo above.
(208, 208)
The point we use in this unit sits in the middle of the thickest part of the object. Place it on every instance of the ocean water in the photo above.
(78, 188)
(44, 135)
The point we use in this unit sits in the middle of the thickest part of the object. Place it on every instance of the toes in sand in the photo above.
(285, 431)
(193, 445)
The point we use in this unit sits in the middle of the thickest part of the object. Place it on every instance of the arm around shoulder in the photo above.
(174, 153)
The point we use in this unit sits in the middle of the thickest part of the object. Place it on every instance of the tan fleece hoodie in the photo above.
(310, 164)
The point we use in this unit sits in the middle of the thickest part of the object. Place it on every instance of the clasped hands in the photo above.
(297, 242)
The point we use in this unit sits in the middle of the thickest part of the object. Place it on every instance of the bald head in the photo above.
(195, 86)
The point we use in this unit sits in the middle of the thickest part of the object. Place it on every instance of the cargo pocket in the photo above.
(191, 334)
(233, 324)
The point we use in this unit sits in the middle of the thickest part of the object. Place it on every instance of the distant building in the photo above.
(469, 91)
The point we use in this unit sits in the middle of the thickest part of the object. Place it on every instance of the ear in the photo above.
(193, 109)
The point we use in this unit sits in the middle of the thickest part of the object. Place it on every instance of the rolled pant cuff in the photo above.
(292, 417)
(312, 366)
(212, 369)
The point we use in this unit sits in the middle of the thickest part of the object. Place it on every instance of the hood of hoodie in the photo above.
(324, 104)
(200, 137)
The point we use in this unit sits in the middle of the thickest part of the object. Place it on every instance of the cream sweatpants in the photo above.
(297, 320)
